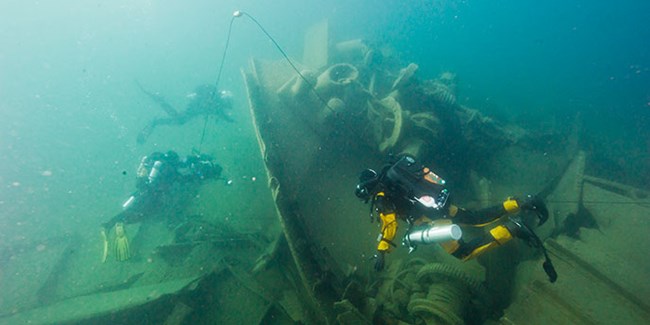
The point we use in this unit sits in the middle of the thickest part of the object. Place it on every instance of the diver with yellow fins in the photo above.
(158, 176)
(405, 190)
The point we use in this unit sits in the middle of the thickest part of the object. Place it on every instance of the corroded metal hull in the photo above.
(312, 177)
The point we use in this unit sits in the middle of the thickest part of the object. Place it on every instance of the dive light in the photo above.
(128, 202)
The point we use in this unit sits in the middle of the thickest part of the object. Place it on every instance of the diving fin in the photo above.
(105, 245)
(530, 237)
(548, 265)
(122, 249)
(549, 269)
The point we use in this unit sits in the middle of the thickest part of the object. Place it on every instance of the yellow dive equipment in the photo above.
(511, 205)
(105, 244)
(122, 250)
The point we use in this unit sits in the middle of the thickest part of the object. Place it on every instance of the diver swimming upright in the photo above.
(206, 101)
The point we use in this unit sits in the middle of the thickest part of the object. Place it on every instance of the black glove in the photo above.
(534, 204)
(379, 263)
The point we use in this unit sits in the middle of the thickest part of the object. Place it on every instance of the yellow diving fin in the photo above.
(122, 249)
(105, 245)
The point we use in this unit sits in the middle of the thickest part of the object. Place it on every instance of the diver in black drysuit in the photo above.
(160, 177)
(206, 101)
(406, 190)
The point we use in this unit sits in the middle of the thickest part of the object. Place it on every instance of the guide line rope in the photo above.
(238, 14)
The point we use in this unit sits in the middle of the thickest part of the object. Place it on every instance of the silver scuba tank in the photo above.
(155, 171)
(433, 235)
(142, 168)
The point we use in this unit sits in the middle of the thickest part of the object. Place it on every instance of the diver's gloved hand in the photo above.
(534, 204)
(379, 263)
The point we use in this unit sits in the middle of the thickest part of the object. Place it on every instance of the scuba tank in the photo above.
(155, 171)
(142, 168)
(432, 235)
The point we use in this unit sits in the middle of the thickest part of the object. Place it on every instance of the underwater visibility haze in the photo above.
(255, 220)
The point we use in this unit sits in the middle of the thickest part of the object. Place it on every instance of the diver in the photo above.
(160, 180)
(206, 101)
(411, 192)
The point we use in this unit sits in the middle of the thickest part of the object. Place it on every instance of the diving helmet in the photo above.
(368, 180)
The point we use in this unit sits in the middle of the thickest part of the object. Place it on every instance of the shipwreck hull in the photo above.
(313, 164)
(312, 181)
